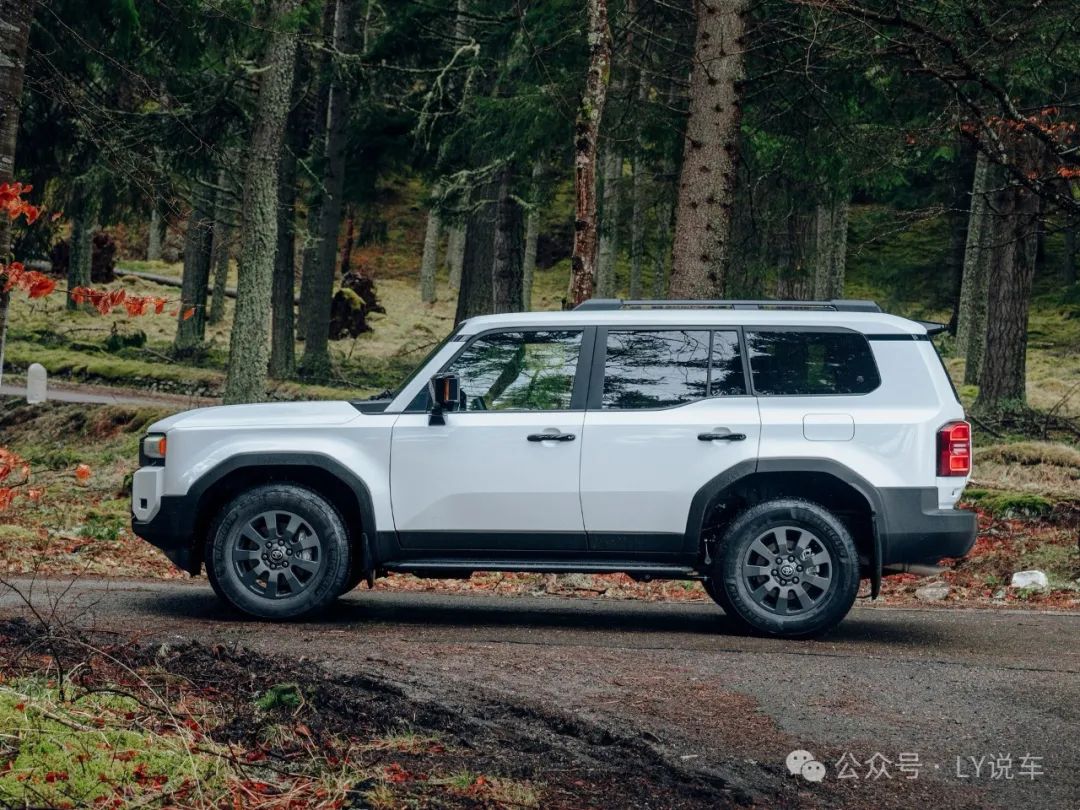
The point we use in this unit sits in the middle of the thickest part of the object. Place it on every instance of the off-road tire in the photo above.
(321, 531)
(733, 584)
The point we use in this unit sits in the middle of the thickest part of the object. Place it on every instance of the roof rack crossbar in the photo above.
(835, 305)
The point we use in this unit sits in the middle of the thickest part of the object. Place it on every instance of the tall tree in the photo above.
(974, 284)
(249, 347)
(316, 360)
(608, 251)
(831, 230)
(532, 236)
(283, 287)
(1015, 226)
(586, 132)
(198, 255)
(430, 259)
(475, 296)
(707, 180)
(507, 250)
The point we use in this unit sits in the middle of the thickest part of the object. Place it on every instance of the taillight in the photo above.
(954, 449)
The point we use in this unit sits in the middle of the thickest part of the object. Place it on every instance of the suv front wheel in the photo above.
(278, 551)
(786, 567)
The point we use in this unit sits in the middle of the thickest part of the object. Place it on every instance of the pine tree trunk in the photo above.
(316, 360)
(81, 255)
(156, 235)
(322, 71)
(249, 347)
(707, 180)
(532, 237)
(430, 260)
(637, 227)
(283, 288)
(1068, 270)
(350, 236)
(455, 254)
(219, 253)
(664, 227)
(198, 243)
(586, 130)
(831, 228)
(608, 252)
(974, 285)
(475, 297)
(16, 16)
(1002, 379)
(509, 248)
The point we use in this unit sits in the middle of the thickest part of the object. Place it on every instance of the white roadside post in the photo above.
(36, 383)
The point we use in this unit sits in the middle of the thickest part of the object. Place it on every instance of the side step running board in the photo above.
(637, 570)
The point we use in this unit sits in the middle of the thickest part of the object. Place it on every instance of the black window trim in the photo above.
(581, 373)
(815, 329)
(595, 401)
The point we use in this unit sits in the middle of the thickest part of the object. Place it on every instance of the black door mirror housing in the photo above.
(444, 391)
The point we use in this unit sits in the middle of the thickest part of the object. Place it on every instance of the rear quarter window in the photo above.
(810, 363)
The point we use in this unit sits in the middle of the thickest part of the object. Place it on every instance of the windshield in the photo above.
(422, 364)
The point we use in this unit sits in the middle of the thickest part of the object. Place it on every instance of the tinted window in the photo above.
(530, 371)
(810, 363)
(662, 369)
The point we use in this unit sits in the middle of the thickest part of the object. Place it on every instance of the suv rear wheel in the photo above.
(786, 567)
(278, 551)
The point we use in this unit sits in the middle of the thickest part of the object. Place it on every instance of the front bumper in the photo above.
(172, 529)
(914, 530)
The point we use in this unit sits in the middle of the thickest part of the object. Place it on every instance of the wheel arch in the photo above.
(322, 474)
(854, 499)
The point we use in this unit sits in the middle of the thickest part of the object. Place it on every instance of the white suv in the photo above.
(775, 451)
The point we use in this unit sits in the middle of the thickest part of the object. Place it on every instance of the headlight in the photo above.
(153, 447)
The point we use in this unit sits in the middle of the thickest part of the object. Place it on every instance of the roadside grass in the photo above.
(188, 727)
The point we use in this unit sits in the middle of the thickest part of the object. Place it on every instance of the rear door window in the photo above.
(810, 363)
(667, 368)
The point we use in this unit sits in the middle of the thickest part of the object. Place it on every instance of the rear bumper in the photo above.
(172, 529)
(914, 530)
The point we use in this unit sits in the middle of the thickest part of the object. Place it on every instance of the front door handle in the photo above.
(721, 437)
(551, 437)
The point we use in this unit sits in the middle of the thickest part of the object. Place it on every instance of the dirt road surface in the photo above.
(981, 708)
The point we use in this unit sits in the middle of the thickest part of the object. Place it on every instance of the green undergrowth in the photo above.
(1009, 504)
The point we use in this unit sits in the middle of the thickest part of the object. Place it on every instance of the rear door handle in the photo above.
(721, 437)
(551, 437)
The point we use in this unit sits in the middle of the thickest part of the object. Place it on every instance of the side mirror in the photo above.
(444, 391)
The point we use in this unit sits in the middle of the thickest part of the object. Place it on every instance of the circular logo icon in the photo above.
(813, 771)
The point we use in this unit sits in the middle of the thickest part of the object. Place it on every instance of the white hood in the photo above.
(297, 414)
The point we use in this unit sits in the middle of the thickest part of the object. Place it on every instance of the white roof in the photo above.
(866, 322)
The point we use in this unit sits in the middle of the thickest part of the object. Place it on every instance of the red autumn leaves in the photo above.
(11, 201)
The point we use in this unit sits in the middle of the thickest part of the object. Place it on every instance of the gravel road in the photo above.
(987, 701)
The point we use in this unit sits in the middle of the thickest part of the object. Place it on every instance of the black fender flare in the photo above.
(695, 521)
(328, 464)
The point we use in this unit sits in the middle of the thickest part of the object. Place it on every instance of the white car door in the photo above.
(669, 413)
(503, 472)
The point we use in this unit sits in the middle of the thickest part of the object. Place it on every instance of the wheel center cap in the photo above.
(277, 555)
(787, 569)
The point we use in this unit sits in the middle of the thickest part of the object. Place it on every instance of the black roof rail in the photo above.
(835, 305)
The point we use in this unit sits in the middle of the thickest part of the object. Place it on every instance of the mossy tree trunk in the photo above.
(222, 247)
(974, 284)
(707, 179)
(84, 222)
(532, 237)
(508, 248)
(455, 254)
(156, 236)
(608, 252)
(198, 253)
(1015, 222)
(586, 131)
(316, 361)
(430, 260)
(249, 347)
